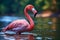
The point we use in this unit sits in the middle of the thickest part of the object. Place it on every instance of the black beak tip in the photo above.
(35, 14)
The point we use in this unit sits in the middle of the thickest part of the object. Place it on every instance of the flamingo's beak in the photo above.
(35, 14)
(34, 11)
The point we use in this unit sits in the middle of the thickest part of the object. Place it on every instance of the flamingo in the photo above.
(22, 25)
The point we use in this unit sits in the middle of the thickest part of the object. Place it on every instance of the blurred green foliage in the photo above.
(17, 6)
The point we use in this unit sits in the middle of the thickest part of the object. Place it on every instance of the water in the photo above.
(21, 37)
(42, 29)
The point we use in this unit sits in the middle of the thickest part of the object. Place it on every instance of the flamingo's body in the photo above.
(18, 25)
(22, 25)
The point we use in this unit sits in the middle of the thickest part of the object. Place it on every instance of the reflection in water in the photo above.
(22, 37)
(39, 38)
(16, 37)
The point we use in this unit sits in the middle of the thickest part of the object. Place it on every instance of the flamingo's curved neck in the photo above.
(29, 19)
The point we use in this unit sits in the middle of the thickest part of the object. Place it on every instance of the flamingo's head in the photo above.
(31, 7)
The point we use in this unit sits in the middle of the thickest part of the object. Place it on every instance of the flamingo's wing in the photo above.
(20, 28)
(17, 25)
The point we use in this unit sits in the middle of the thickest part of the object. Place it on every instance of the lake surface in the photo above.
(43, 29)
(22, 37)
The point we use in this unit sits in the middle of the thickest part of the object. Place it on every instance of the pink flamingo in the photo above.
(22, 25)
